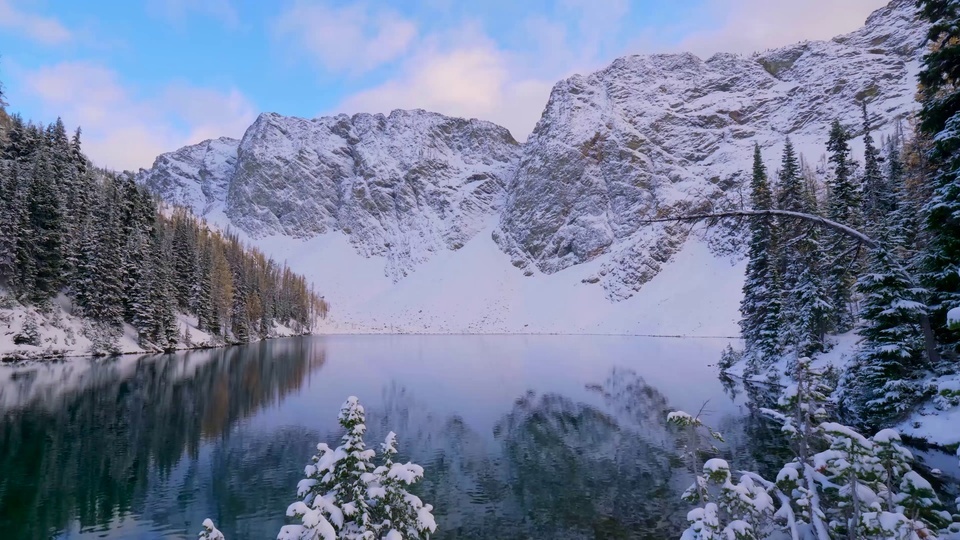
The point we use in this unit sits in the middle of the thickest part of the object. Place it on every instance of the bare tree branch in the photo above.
(839, 227)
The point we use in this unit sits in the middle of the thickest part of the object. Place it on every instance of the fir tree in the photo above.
(760, 307)
(885, 382)
(397, 512)
(334, 494)
(806, 306)
(940, 120)
(44, 241)
(876, 191)
(843, 207)
(791, 193)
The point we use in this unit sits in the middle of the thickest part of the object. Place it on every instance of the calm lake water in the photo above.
(520, 436)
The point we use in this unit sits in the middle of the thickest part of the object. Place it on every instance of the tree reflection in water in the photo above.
(154, 442)
(86, 453)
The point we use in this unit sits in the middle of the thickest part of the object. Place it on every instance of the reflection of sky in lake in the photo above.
(479, 377)
(520, 436)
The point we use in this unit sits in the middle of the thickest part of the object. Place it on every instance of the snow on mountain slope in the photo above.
(420, 222)
(670, 133)
(476, 290)
(404, 185)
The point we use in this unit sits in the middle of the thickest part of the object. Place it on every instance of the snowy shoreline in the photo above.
(934, 424)
(56, 334)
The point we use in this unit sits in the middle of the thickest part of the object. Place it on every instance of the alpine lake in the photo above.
(532, 437)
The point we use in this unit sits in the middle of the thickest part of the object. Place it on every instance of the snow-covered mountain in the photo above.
(420, 222)
(400, 186)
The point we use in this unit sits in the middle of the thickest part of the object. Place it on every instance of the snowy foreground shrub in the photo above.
(840, 485)
(345, 496)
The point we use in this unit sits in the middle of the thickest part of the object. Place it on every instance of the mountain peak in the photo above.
(646, 136)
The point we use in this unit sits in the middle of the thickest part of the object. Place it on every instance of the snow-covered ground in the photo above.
(60, 333)
(476, 290)
(937, 421)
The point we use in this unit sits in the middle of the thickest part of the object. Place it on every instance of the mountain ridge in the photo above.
(646, 136)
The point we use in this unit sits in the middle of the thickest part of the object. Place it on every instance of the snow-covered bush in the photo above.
(29, 333)
(210, 531)
(841, 484)
(104, 338)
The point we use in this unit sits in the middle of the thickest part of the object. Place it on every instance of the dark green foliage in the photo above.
(940, 121)
(66, 227)
(805, 308)
(877, 194)
(885, 382)
(760, 308)
(843, 207)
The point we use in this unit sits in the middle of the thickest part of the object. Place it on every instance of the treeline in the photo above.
(123, 257)
(801, 280)
(804, 282)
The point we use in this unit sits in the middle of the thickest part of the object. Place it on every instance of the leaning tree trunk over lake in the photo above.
(929, 340)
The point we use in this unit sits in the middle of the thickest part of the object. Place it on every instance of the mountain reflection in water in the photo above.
(519, 436)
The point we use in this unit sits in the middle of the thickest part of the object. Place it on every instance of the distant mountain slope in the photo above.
(402, 186)
(646, 136)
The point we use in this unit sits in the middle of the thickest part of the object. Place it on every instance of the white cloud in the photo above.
(472, 79)
(45, 30)
(123, 130)
(745, 26)
(351, 39)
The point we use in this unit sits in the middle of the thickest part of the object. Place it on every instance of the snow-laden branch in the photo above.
(839, 227)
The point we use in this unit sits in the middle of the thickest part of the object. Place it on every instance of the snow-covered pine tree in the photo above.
(46, 230)
(876, 198)
(9, 221)
(334, 498)
(725, 509)
(184, 258)
(808, 306)
(843, 207)
(760, 308)
(239, 316)
(939, 116)
(791, 194)
(206, 316)
(805, 305)
(398, 514)
(885, 381)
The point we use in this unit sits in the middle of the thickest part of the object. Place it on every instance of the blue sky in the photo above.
(148, 77)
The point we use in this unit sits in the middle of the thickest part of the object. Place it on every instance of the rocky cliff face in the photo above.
(667, 134)
(402, 186)
(647, 136)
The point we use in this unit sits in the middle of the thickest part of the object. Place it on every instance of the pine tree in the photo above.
(760, 307)
(10, 220)
(885, 382)
(206, 318)
(45, 238)
(239, 314)
(843, 207)
(791, 193)
(184, 260)
(939, 115)
(876, 191)
(334, 495)
(397, 512)
(806, 305)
